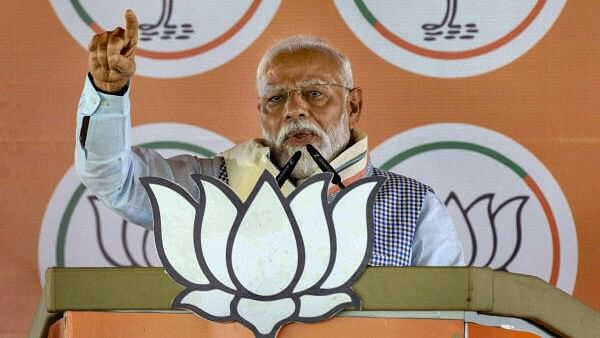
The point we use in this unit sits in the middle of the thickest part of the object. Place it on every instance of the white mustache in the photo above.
(296, 125)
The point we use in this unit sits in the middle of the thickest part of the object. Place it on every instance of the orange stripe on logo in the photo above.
(467, 53)
(207, 46)
(197, 50)
(553, 228)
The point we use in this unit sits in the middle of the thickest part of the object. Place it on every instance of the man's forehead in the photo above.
(302, 66)
(298, 83)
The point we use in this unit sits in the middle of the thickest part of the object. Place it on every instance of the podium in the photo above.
(448, 302)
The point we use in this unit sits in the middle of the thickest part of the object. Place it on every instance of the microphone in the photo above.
(285, 173)
(324, 165)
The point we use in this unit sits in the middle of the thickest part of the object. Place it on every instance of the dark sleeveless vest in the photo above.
(395, 214)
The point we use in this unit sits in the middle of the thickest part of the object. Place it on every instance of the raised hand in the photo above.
(112, 55)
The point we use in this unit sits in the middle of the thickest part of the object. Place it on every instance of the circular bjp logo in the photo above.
(177, 37)
(509, 211)
(450, 38)
(78, 230)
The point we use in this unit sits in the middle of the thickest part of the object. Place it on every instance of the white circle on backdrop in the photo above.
(452, 38)
(79, 231)
(498, 194)
(177, 38)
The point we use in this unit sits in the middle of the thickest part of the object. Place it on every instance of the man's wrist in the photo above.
(94, 101)
(120, 92)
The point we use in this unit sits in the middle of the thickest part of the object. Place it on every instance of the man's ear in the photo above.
(258, 106)
(354, 106)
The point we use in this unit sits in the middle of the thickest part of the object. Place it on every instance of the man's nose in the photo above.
(295, 106)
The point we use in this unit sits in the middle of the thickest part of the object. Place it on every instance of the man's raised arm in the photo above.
(104, 159)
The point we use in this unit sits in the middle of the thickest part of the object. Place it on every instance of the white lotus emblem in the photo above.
(270, 260)
(495, 229)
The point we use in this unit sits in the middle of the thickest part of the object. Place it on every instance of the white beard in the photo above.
(330, 144)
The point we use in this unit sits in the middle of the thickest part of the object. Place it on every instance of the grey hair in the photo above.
(303, 42)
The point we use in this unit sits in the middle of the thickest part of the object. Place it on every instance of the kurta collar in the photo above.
(246, 162)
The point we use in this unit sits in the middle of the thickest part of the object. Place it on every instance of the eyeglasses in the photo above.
(314, 94)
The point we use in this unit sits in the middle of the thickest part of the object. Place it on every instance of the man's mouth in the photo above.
(300, 138)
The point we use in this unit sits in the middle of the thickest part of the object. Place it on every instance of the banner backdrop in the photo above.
(492, 103)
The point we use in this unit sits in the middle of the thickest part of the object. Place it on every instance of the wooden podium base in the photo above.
(90, 324)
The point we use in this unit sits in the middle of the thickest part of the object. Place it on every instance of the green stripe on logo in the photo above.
(454, 145)
(365, 12)
(64, 225)
(82, 13)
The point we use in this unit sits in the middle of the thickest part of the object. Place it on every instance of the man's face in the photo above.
(303, 101)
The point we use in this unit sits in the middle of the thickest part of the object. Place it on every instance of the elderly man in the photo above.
(306, 96)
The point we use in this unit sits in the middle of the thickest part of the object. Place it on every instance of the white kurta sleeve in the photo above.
(110, 167)
(436, 242)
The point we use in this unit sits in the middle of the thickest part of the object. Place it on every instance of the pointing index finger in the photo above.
(131, 28)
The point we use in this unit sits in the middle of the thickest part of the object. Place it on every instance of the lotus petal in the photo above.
(264, 255)
(508, 223)
(264, 315)
(217, 221)
(175, 230)
(464, 229)
(215, 304)
(109, 239)
(313, 306)
(307, 206)
(351, 232)
(479, 214)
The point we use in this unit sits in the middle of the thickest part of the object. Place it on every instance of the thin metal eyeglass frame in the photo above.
(301, 88)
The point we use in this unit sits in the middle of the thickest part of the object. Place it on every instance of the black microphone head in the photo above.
(286, 171)
(312, 150)
(296, 156)
(323, 164)
(318, 158)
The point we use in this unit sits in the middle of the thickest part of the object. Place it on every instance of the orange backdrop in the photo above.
(547, 100)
